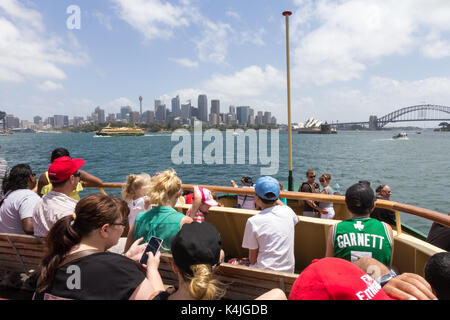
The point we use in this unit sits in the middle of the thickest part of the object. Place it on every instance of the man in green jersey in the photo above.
(361, 236)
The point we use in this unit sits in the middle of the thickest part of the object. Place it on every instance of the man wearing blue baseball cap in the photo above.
(269, 235)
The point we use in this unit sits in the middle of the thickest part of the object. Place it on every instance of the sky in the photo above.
(349, 59)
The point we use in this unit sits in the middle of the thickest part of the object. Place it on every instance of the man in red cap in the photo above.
(64, 175)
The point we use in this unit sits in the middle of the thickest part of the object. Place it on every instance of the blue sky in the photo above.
(349, 59)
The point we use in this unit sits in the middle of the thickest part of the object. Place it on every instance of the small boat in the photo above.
(401, 135)
(122, 131)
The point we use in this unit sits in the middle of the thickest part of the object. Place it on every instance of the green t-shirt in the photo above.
(362, 237)
(161, 222)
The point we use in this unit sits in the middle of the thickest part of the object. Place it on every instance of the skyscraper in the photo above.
(124, 112)
(186, 111)
(160, 113)
(157, 104)
(203, 107)
(242, 115)
(215, 106)
(176, 108)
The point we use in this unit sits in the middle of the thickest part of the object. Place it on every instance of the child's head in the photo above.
(165, 187)
(196, 251)
(136, 186)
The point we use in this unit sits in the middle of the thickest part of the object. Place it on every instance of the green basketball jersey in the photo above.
(362, 237)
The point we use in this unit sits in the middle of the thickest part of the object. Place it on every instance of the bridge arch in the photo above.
(395, 115)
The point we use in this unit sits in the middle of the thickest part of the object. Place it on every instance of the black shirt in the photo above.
(439, 236)
(384, 215)
(306, 187)
(103, 276)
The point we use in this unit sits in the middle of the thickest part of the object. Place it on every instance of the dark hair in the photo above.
(91, 212)
(360, 199)
(438, 275)
(58, 153)
(364, 182)
(18, 178)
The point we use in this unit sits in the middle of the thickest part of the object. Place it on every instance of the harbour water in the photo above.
(417, 170)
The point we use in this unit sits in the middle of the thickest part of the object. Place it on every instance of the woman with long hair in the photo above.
(77, 265)
(16, 208)
(162, 221)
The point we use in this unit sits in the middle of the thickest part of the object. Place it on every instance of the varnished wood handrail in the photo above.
(435, 216)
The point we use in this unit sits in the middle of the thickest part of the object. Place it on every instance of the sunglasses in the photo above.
(311, 177)
(123, 223)
(77, 174)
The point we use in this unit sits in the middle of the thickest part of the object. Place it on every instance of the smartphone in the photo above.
(153, 245)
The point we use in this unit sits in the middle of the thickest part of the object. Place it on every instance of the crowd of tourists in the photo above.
(86, 234)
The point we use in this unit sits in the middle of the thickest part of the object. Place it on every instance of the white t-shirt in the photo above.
(272, 232)
(52, 207)
(136, 206)
(17, 206)
(326, 205)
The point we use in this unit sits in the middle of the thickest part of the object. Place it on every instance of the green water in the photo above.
(417, 170)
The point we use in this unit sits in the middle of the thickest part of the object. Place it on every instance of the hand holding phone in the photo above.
(153, 246)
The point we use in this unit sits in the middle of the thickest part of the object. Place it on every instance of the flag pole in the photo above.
(288, 74)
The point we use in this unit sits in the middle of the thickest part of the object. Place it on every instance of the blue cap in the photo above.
(267, 185)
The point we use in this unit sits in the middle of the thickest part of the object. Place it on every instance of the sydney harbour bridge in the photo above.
(423, 112)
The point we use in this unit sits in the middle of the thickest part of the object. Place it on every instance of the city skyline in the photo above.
(348, 60)
(206, 112)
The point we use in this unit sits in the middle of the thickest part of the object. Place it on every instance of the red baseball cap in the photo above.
(62, 168)
(335, 279)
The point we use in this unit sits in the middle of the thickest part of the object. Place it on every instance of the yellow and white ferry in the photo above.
(122, 131)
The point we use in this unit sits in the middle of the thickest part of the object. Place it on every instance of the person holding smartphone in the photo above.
(77, 265)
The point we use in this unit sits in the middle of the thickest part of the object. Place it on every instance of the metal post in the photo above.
(288, 74)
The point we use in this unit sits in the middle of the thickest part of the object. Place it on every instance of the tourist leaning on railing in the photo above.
(77, 265)
(45, 185)
(16, 208)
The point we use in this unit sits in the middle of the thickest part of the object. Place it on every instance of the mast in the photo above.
(288, 75)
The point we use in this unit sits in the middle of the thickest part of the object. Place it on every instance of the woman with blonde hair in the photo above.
(162, 221)
(134, 193)
(196, 251)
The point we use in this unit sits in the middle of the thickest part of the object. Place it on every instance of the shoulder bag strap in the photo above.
(77, 255)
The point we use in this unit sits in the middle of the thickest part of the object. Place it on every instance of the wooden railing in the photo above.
(397, 207)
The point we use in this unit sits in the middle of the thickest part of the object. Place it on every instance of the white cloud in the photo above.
(27, 52)
(50, 86)
(152, 18)
(184, 62)
(161, 19)
(336, 41)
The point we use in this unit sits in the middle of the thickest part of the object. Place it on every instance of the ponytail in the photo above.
(61, 238)
(133, 183)
(202, 286)
(164, 187)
